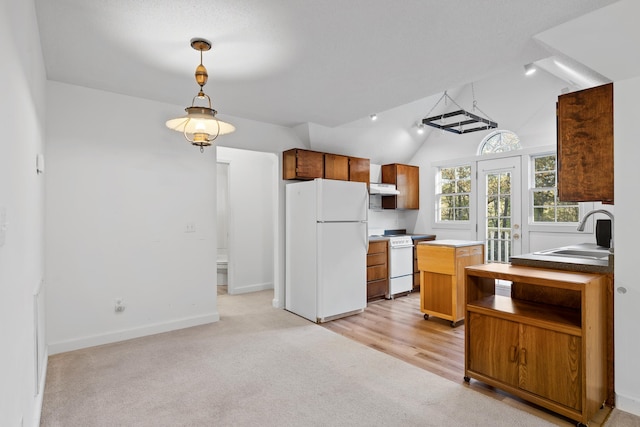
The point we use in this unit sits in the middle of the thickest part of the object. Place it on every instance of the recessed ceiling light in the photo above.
(374, 117)
(529, 69)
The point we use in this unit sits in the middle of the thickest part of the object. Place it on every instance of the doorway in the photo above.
(499, 207)
(252, 221)
(222, 226)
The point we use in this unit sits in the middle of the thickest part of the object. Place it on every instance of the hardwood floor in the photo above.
(397, 327)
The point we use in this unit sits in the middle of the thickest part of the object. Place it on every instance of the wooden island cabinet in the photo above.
(546, 343)
(441, 264)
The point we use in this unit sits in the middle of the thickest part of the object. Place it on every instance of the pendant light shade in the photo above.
(200, 126)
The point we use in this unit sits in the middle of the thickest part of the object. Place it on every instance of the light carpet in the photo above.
(257, 366)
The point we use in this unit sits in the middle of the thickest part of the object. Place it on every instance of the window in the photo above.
(546, 206)
(499, 141)
(453, 191)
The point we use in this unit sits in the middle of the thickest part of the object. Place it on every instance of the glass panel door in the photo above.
(499, 211)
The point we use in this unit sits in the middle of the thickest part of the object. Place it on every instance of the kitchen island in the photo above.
(547, 343)
(441, 264)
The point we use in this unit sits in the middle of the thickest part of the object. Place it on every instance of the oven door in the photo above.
(400, 261)
(400, 270)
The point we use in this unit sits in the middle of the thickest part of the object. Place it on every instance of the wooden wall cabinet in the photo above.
(302, 164)
(442, 264)
(416, 270)
(377, 270)
(585, 145)
(306, 164)
(359, 170)
(546, 343)
(407, 181)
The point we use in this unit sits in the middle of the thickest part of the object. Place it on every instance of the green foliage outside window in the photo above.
(453, 196)
(546, 206)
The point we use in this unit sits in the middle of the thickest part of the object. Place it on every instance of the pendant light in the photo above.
(200, 126)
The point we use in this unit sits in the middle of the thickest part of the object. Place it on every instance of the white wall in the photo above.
(121, 189)
(627, 235)
(22, 116)
(252, 211)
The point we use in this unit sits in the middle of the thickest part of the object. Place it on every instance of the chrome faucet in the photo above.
(595, 211)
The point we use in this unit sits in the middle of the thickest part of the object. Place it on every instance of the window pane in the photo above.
(464, 172)
(448, 187)
(543, 198)
(545, 179)
(464, 186)
(448, 173)
(446, 214)
(568, 214)
(546, 163)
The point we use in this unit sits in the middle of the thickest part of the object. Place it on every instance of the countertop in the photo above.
(565, 262)
(452, 243)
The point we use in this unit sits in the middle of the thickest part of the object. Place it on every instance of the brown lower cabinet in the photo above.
(442, 264)
(416, 270)
(546, 343)
(377, 270)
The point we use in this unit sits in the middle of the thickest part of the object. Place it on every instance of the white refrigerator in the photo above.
(326, 248)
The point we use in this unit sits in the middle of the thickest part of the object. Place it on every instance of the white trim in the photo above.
(628, 404)
(39, 399)
(254, 287)
(126, 334)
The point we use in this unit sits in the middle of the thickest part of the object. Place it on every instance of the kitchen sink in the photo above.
(577, 253)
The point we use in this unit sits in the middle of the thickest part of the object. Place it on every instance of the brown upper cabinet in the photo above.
(585, 145)
(407, 181)
(306, 164)
(302, 164)
(336, 167)
(359, 170)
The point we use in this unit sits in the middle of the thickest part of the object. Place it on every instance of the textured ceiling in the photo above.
(289, 62)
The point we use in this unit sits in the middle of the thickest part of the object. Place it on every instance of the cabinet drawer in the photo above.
(436, 259)
(376, 272)
(376, 247)
(377, 289)
(376, 259)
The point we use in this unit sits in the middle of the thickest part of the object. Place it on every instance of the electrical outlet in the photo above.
(190, 227)
(119, 307)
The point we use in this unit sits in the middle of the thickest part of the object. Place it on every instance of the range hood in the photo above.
(383, 189)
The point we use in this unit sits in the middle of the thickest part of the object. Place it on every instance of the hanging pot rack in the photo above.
(459, 121)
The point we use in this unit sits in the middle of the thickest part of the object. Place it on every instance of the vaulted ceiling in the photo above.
(291, 62)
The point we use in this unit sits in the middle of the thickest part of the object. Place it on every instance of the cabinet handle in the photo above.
(513, 353)
(523, 357)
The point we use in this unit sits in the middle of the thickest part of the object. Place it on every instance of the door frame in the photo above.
(518, 217)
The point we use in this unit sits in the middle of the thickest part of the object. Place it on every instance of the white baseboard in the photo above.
(122, 335)
(255, 287)
(37, 407)
(628, 404)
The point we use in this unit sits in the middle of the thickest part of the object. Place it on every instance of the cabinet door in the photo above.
(302, 164)
(550, 365)
(359, 170)
(493, 347)
(336, 167)
(585, 145)
(407, 181)
(437, 294)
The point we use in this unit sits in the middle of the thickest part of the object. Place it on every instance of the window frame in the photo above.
(555, 227)
(461, 225)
